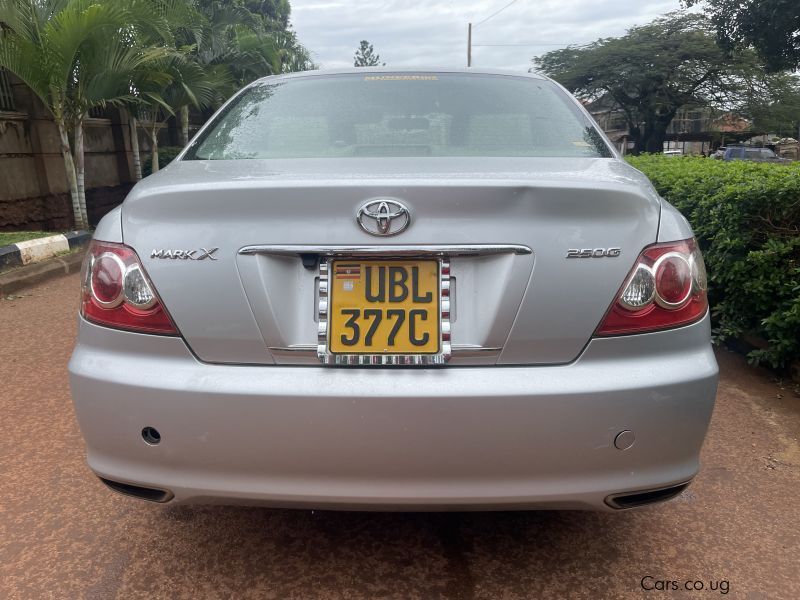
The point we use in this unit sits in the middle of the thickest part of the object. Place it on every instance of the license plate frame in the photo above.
(326, 279)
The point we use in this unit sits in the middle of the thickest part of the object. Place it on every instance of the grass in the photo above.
(12, 237)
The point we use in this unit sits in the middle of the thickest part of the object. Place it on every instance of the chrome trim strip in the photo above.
(388, 250)
(456, 349)
(322, 308)
(474, 349)
(444, 298)
(304, 348)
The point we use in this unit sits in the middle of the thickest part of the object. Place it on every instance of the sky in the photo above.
(434, 32)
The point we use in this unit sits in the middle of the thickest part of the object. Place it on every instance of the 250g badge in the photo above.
(594, 253)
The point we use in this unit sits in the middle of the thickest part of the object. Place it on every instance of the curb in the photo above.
(34, 251)
(36, 273)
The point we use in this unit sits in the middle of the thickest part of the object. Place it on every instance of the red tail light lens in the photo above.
(673, 275)
(666, 288)
(116, 292)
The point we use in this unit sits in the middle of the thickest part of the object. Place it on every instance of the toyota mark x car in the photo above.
(396, 289)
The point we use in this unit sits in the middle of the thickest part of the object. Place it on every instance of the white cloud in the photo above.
(409, 33)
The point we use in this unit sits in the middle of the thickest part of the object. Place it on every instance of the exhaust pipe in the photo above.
(138, 491)
(644, 497)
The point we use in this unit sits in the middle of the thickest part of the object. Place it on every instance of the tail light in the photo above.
(666, 288)
(116, 291)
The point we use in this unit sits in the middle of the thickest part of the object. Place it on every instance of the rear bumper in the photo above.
(393, 438)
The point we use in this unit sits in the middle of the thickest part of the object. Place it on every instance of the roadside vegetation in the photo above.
(746, 217)
(153, 58)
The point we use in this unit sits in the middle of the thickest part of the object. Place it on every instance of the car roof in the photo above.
(401, 70)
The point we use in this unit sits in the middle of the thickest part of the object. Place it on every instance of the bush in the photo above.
(746, 217)
(165, 156)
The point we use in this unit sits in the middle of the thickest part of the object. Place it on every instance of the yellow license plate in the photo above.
(384, 307)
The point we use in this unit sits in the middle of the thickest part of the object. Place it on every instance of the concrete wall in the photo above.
(33, 184)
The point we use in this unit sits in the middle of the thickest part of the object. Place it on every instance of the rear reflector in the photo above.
(116, 291)
(666, 288)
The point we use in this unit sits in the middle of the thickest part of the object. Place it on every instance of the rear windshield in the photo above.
(374, 114)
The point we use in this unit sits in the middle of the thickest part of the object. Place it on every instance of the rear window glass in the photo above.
(394, 115)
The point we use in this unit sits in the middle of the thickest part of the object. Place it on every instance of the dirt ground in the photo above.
(735, 531)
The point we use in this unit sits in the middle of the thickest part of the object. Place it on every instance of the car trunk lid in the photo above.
(526, 304)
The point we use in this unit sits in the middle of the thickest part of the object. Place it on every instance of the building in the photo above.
(694, 130)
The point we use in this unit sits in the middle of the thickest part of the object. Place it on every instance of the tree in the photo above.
(778, 111)
(365, 56)
(772, 27)
(275, 10)
(653, 71)
(153, 57)
(74, 56)
(293, 55)
(199, 65)
(240, 41)
(188, 83)
(207, 37)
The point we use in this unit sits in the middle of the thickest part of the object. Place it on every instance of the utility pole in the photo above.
(469, 45)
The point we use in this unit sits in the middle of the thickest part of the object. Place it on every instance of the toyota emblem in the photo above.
(383, 217)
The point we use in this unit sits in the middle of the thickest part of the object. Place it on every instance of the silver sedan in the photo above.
(396, 289)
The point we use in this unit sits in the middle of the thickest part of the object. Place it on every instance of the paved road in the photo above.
(63, 535)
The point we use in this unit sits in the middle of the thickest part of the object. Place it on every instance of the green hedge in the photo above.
(165, 156)
(746, 217)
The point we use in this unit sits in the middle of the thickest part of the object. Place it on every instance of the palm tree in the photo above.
(293, 55)
(215, 47)
(109, 66)
(218, 51)
(187, 84)
(190, 81)
(240, 43)
(155, 23)
(146, 83)
(74, 55)
(154, 57)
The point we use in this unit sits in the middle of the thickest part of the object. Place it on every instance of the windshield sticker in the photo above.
(401, 78)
